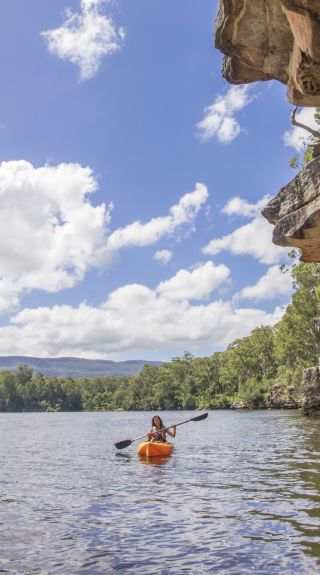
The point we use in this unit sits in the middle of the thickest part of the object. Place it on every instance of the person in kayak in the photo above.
(156, 432)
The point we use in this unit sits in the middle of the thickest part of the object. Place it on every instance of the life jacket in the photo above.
(159, 435)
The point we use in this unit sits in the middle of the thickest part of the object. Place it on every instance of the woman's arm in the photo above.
(172, 431)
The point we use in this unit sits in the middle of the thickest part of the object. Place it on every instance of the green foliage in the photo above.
(244, 373)
(294, 163)
(252, 393)
(296, 336)
(308, 155)
(298, 162)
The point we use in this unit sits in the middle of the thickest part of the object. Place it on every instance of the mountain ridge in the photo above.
(75, 366)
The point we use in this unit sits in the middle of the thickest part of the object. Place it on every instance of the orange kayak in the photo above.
(155, 449)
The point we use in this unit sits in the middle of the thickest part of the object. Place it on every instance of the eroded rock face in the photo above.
(311, 391)
(282, 397)
(295, 213)
(272, 39)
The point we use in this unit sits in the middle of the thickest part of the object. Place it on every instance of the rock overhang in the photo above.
(272, 39)
(295, 213)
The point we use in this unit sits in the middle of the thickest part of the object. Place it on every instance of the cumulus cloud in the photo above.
(85, 37)
(48, 228)
(195, 284)
(254, 238)
(239, 207)
(133, 318)
(145, 234)
(50, 233)
(297, 138)
(219, 118)
(9, 295)
(273, 284)
(164, 256)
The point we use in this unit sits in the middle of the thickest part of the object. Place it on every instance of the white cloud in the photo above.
(164, 256)
(239, 207)
(219, 119)
(85, 38)
(195, 284)
(254, 238)
(297, 138)
(139, 234)
(273, 284)
(133, 318)
(50, 234)
(9, 295)
(48, 228)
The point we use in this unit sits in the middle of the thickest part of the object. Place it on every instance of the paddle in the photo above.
(127, 442)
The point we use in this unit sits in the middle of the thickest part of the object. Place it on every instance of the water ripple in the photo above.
(240, 495)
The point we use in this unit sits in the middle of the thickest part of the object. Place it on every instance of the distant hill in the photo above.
(74, 366)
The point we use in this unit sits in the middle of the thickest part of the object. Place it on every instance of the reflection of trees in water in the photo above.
(286, 507)
(307, 465)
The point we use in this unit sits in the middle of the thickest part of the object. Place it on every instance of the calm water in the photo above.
(240, 495)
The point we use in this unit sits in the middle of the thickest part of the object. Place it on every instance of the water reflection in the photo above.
(239, 495)
(160, 460)
(287, 505)
(125, 457)
(308, 471)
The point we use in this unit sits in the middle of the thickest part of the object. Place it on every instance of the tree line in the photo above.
(246, 371)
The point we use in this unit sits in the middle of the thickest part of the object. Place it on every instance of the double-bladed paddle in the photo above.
(127, 442)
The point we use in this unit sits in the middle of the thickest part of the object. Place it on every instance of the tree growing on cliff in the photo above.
(311, 149)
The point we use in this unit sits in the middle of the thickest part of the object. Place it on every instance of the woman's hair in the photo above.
(153, 423)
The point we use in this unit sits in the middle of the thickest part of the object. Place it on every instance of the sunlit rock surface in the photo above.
(282, 397)
(272, 39)
(295, 213)
(311, 391)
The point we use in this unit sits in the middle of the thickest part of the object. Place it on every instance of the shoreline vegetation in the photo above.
(260, 371)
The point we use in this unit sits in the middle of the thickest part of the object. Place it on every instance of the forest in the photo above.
(245, 372)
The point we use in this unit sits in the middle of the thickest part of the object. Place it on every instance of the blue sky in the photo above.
(132, 178)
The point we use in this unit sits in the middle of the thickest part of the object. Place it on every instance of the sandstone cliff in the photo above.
(280, 39)
(272, 39)
(311, 391)
(282, 397)
(295, 213)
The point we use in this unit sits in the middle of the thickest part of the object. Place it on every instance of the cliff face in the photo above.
(295, 213)
(272, 39)
(311, 391)
(282, 397)
(280, 39)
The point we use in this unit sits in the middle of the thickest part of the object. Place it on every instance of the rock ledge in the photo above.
(295, 213)
(272, 39)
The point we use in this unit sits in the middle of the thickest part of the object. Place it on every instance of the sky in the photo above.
(132, 177)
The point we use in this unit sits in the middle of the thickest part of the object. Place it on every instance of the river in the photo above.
(240, 495)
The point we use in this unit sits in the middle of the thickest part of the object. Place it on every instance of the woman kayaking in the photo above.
(158, 431)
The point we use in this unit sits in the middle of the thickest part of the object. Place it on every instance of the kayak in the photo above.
(155, 449)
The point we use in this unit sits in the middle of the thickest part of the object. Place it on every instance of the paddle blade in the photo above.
(200, 417)
(123, 444)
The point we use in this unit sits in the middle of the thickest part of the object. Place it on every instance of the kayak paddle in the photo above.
(127, 442)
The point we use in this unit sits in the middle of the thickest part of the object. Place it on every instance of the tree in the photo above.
(312, 149)
(296, 337)
(10, 398)
(23, 374)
